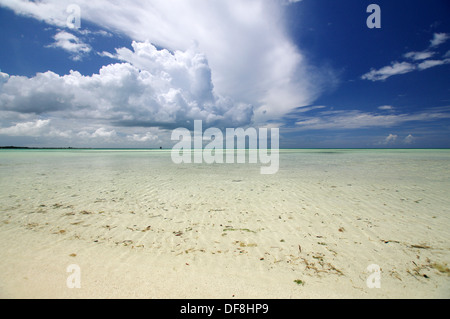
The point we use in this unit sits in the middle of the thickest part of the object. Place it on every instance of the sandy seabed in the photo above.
(138, 226)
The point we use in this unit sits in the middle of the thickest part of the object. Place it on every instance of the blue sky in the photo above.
(134, 71)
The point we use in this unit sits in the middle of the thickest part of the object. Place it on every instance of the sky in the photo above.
(125, 74)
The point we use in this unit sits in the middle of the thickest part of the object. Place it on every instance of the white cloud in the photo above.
(103, 132)
(288, 2)
(151, 88)
(432, 63)
(390, 139)
(386, 108)
(106, 54)
(401, 68)
(309, 108)
(87, 32)
(143, 137)
(87, 133)
(405, 67)
(416, 56)
(71, 44)
(51, 13)
(355, 119)
(409, 139)
(34, 128)
(438, 39)
(45, 92)
(3, 77)
(394, 69)
(352, 119)
(250, 55)
(394, 139)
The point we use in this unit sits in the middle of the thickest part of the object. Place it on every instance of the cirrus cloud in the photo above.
(394, 69)
(397, 68)
(438, 39)
(356, 119)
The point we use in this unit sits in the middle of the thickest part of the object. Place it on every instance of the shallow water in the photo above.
(327, 211)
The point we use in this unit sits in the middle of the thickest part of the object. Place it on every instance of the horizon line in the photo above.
(165, 149)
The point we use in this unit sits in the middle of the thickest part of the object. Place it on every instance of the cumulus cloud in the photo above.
(409, 139)
(250, 55)
(3, 77)
(148, 136)
(34, 128)
(72, 44)
(43, 93)
(103, 132)
(395, 139)
(390, 139)
(149, 88)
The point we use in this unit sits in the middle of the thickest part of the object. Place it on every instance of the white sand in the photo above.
(139, 226)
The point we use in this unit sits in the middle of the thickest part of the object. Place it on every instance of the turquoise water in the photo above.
(388, 163)
(56, 174)
(42, 174)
